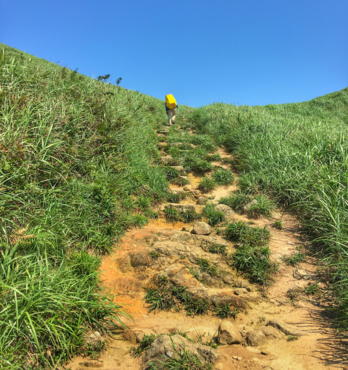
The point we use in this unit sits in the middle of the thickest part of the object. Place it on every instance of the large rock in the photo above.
(285, 328)
(226, 210)
(140, 259)
(260, 336)
(228, 333)
(202, 200)
(201, 228)
(220, 297)
(301, 274)
(185, 279)
(168, 347)
(169, 248)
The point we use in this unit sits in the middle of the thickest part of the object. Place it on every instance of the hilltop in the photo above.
(81, 164)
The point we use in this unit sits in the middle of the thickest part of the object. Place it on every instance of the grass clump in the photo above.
(218, 249)
(203, 165)
(295, 259)
(254, 263)
(213, 157)
(207, 267)
(223, 177)
(180, 181)
(245, 234)
(237, 201)
(207, 184)
(154, 255)
(278, 225)
(262, 206)
(214, 217)
(173, 214)
(144, 345)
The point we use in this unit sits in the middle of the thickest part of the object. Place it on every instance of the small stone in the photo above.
(226, 210)
(201, 228)
(130, 336)
(202, 200)
(265, 353)
(228, 279)
(246, 208)
(240, 291)
(228, 333)
(188, 187)
(285, 328)
(197, 193)
(93, 338)
(237, 358)
(297, 288)
(176, 144)
(178, 168)
(140, 259)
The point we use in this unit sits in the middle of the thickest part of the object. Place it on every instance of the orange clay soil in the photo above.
(318, 349)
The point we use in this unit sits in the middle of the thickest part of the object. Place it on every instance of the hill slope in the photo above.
(76, 154)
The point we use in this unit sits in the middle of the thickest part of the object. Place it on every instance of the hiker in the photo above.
(171, 105)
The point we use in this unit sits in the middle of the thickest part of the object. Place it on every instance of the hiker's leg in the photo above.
(174, 113)
(170, 114)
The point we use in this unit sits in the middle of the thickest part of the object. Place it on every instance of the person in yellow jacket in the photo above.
(171, 106)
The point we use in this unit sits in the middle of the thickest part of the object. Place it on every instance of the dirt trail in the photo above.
(128, 270)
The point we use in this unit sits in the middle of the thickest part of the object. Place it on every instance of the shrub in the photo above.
(255, 263)
(214, 217)
(207, 184)
(223, 177)
(245, 234)
(237, 201)
(263, 206)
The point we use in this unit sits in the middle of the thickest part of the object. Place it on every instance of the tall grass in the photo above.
(73, 151)
(298, 153)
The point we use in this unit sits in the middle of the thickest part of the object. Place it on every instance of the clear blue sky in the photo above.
(253, 52)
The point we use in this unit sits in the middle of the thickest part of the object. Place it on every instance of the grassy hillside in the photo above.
(75, 153)
(298, 154)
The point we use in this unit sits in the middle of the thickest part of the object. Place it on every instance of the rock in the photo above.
(93, 338)
(180, 169)
(176, 191)
(226, 210)
(262, 335)
(140, 259)
(246, 208)
(201, 228)
(169, 248)
(228, 279)
(240, 291)
(301, 274)
(188, 187)
(197, 193)
(228, 333)
(139, 336)
(285, 328)
(202, 200)
(297, 288)
(237, 358)
(220, 296)
(162, 347)
(176, 144)
(167, 160)
(243, 284)
(130, 336)
(184, 278)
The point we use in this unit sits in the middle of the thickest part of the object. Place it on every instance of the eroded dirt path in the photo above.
(130, 268)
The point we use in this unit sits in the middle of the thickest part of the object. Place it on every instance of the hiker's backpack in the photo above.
(170, 101)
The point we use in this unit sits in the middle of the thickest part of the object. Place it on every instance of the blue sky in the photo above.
(252, 52)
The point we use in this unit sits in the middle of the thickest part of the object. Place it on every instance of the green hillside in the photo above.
(80, 165)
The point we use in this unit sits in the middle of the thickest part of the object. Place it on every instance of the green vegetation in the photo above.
(245, 234)
(223, 177)
(218, 249)
(297, 154)
(76, 172)
(262, 206)
(237, 201)
(255, 263)
(214, 217)
(207, 184)
(278, 225)
(295, 258)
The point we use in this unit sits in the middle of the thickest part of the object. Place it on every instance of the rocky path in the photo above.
(278, 327)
